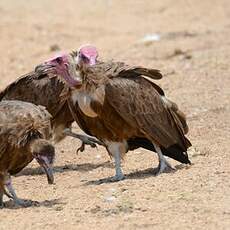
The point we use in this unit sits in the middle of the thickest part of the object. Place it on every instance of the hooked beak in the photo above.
(49, 172)
(45, 68)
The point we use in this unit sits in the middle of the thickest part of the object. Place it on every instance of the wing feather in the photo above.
(142, 107)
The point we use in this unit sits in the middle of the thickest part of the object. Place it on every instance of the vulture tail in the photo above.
(175, 151)
(180, 116)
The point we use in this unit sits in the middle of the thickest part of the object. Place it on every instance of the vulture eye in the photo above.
(59, 60)
(84, 58)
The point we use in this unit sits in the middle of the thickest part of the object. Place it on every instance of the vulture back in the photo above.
(45, 91)
(22, 121)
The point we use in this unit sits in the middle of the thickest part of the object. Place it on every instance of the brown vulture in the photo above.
(48, 92)
(24, 130)
(123, 109)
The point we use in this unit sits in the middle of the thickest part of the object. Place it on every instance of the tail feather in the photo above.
(179, 114)
(175, 152)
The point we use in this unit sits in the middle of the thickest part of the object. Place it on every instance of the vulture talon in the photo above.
(23, 203)
(84, 143)
(81, 148)
(117, 178)
(164, 167)
(86, 140)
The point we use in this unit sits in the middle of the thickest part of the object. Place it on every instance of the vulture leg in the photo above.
(1, 199)
(17, 201)
(163, 164)
(86, 140)
(115, 149)
(3, 190)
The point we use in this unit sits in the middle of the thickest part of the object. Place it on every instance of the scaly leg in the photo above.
(1, 199)
(163, 164)
(86, 140)
(21, 202)
(116, 149)
(1, 189)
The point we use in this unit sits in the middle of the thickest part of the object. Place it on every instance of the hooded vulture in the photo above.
(115, 103)
(24, 130)
(49, 92)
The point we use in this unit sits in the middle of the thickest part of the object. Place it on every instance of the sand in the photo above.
(190, 45)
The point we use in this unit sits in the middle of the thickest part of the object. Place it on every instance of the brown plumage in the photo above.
(41, 90)
(117, 105)
(24, 130)
(47, 91)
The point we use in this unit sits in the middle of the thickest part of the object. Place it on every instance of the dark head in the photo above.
(44, 153)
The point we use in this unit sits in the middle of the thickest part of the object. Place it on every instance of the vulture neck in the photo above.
(84, 98)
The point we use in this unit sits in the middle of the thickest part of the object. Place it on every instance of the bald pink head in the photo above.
(63, 65)
(87, 54)
(60, 58)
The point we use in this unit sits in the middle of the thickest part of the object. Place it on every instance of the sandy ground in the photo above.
(193, 52)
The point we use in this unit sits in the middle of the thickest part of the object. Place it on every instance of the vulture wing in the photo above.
(40, 90)
(113, 69)
(21, 121)
(141, 105)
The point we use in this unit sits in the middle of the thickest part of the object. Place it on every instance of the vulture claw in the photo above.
(86, 140)
(23, 203)
(81, 148)
(117, 178)
(164, 167)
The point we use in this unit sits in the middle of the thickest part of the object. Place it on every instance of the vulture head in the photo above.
(86, 55)
(44, 154)
(65, 64)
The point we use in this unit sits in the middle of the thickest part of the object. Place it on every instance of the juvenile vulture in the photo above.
(123, 109)
(24, 130)
(48, 91)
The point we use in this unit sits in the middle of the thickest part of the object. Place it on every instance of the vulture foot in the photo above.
(23, 203)
(117, 178)
(164, 166)
(12, 194)
(86, 140)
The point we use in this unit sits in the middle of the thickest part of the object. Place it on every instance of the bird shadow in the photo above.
(139, 174)
(65, 168)
(33, 204)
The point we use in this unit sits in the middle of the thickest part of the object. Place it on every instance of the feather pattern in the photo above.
(20, 123)
(131, 107)
(45, 91)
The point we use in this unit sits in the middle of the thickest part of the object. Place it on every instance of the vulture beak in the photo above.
(48, 168)
(49, 172)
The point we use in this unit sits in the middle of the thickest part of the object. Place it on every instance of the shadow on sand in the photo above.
(65, 168)
(139, 174)
(34, 204)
